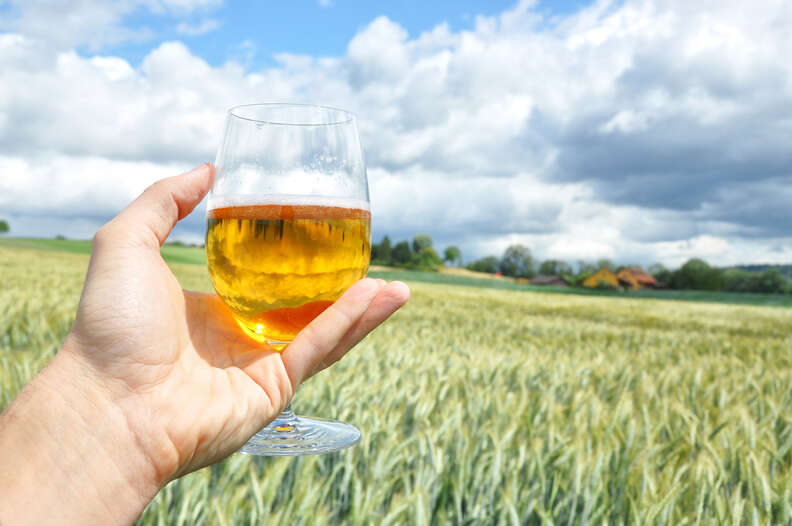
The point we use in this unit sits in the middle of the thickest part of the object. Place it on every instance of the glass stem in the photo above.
(286, 422)
(287, 413)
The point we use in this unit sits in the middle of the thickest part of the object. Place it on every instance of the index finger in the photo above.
(310, 347)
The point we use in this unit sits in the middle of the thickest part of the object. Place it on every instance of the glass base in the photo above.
(290, 435)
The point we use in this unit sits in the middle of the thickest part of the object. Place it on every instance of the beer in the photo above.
(279, 265)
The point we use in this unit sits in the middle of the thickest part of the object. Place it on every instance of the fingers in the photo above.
(388, 300)
(164, 203)
(323, 334)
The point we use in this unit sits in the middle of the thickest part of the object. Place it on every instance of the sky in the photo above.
(640, 130)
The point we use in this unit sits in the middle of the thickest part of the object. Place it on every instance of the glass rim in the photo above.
(349, 116)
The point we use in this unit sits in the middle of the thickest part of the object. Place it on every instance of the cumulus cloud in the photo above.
(646, 130)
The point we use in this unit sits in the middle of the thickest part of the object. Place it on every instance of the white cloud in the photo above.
(204, 26)
(182, 5)
(91, 23)
(639, 131)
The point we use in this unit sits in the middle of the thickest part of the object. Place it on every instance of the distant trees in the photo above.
(4, 228)
(401, 253)
(555, 267)
(421, 242)
(381, 251)
(517, 262)
(605, 263)
(698, 275)
(452, 255)
(487, 264)
(584, 267)
(660, 273)
(768, 281)
(771, 281)
(416, 255)
(428, 258)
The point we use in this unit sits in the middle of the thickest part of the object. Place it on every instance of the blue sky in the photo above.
(253, 32)
(635, 130)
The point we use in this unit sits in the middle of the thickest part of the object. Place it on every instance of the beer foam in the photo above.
(227, 201)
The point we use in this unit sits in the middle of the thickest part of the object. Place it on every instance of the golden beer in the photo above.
(278, 266)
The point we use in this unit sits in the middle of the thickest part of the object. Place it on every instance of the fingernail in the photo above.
(402, 287)
(366, 289)
(199, 171)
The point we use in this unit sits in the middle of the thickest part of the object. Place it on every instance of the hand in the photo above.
(180, 382)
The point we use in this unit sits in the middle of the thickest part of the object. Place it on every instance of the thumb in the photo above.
(153, 214)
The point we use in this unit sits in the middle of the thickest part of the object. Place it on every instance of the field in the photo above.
(490, 406)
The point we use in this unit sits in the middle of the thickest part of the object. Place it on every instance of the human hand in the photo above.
(179, 381)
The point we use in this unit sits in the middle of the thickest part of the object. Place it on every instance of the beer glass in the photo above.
(288, 231)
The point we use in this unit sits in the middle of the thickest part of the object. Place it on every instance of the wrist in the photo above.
(67, 454)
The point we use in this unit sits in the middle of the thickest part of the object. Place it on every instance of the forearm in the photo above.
(66, 455)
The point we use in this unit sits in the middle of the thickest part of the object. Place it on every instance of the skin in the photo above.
(153, 381)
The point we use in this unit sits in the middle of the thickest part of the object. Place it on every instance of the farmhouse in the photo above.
(630, 278)
(627, 280)
(644, 279)
(602, 277)
(544, 279)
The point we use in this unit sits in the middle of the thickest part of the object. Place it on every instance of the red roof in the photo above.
(642, 277)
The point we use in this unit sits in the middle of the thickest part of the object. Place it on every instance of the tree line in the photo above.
(416, 255)
(517, 261)
(697, 274)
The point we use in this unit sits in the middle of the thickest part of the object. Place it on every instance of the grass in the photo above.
(485, 406)
(196, 256)
(171, 253)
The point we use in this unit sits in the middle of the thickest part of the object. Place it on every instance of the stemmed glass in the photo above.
(288, 231)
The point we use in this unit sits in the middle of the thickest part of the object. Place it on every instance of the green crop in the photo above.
(482, 406)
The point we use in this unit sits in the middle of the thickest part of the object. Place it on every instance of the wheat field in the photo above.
(486, 406)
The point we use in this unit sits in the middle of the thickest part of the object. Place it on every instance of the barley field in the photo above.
(483, 406)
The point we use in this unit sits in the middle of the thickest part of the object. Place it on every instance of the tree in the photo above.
(517, 262)
(736, 280)
(698, 275)
(606, 263)
(488, 264)
(660, 273)
(584, 267)
(555, 267)
(401, 253)
(770, 281)
(581, 277)
(453, 255)
(656, 268)
(382, 251)
(4, 226)
(428, 258)
(421, 241)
